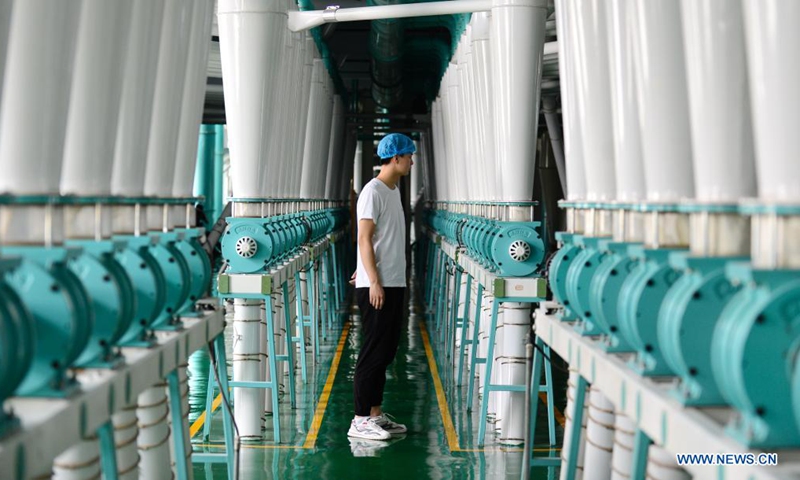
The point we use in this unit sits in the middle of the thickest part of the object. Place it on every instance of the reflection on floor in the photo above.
(424, 452)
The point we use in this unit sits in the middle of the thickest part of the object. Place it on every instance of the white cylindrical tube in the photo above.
(315, 108)
(250, 47)
(246, 361)
(5, 23)
(80, 462)
(36, 90)
(183, 382)
(358, 161)
(275, 183)
(569, 413)
(661, 465)
(516, 325)
(622, 457)
(126, 430)
(136, 104)
(168, 98)
(573, 139)
(663, 101)
(154, 433)
(722, 136)
(773, 64)
(594, 97)
(94, 101)
(599, 437)
(624, 105)
(481, 55)
(194, 91)
(517, 38)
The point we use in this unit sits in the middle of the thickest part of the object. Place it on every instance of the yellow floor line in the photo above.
(201, 420)
(311, 439)
(447, 420)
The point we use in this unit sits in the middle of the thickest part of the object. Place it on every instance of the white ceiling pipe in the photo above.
(168, 98)
(315, 108)
(481, 53)
(458, 174)
(321, 138)
(773, 60)
(624, 106)
(477, 144)
(296, 79)
(573, 140)
(94, 101)
(250, 47)
(517, 38)
(449, 137)
(663, 101)
(193, 98)
(136, 105)
(443, 186)
(5, 24)
(594, 100)
(36, 90)
(719, 102)
(333, 178)
(310, 19)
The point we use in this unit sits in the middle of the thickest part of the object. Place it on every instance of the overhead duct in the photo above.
(386, 47)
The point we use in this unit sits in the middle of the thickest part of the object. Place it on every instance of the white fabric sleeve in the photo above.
(367, 208)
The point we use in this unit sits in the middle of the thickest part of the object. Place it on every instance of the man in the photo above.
(380, 286)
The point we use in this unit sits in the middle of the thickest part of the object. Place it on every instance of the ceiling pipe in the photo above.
(304, 20)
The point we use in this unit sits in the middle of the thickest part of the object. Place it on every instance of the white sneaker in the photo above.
(386, 422)
(368, 428)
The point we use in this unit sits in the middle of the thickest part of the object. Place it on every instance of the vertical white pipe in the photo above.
(315, 110)
(569, 413)
(36, 88)
(481, 55)
(358, 163)
(248, 403)
(326, 134)
(278, 175)
(167, 98)
(416, 172)
(467, 157)
(622, 456)
(624, 107)
(310, 51)
(516, 325)
(250, 47)
(661, 465)
(136, 105)
(722, 137)
(773, 63)
(593, 97)
(194, 92)
(126, 430)
(154, 433)
(663, 100)
(95, 97)
(573, 139)
(80, 462)
(599, 437)
(5, 24)
(517, 39)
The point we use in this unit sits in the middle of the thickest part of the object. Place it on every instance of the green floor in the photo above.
(410, 396)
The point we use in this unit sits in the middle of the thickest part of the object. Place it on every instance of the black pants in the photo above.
(380, 333)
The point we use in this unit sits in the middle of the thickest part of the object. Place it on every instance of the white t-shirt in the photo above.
(382, 204)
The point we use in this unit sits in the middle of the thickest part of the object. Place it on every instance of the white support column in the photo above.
(126, 430)
(247, 402)
(516, 325)
(599, 437)
(154, 432)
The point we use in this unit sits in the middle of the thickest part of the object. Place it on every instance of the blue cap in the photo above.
(395, 144)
